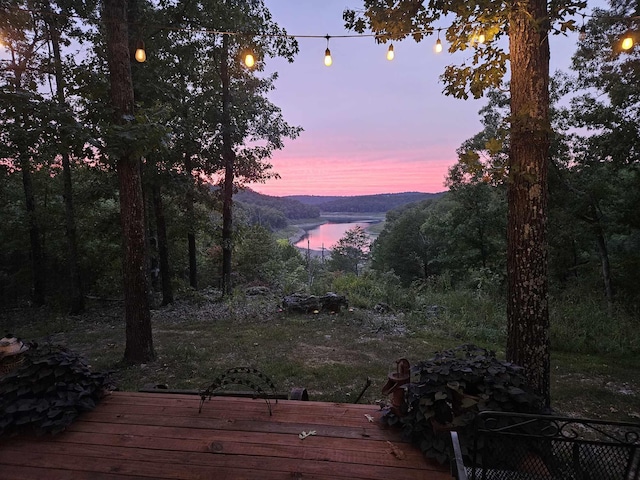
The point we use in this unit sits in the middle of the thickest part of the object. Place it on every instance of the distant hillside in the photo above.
(289, 207)
(314, 199)
(364, 203)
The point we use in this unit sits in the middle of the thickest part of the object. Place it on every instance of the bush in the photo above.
(363, 291)
(449, 389)
(48, 392)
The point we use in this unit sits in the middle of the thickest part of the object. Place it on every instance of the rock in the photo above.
(382, 308)
(259, 290)
(303, 303)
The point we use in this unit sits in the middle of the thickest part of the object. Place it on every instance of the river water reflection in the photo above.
(327, 235)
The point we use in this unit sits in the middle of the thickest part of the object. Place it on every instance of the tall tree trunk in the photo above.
(603, 251)
(76, 291)
(228, 159)
(139, 344)
(37, 252)
(527, 307)
(191, 234)
(163, 248)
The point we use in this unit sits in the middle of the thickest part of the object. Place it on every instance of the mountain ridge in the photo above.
(277, 212)
(374, 203)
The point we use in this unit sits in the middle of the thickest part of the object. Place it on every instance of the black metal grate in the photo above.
(529, 447)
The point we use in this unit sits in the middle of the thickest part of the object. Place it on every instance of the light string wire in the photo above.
(429, 31)
(140, 56)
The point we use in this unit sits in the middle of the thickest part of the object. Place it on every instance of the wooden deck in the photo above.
(162, 436)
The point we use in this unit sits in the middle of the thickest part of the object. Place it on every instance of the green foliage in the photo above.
(596, 166)
(374, 203)
(48, 392)
(370, 288)
(486, 65)
(255, 247)
(463, 230)
(401, 248)
(447, 390)
(261, 259)
(350, 251)
(587, 324)
(257, 215)
(287, 207)
(362, 291)
(483, 158)
(462, 313)
(292, 276)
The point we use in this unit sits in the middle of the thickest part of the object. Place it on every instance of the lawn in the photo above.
(331, 355)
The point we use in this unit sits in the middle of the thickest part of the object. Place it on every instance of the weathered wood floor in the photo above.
(162, 436)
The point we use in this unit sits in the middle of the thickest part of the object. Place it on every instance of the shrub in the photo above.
(449, 389)
(363, 291)
(48, 392)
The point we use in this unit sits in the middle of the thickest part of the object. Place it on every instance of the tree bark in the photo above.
(38, 271)
(603, 251)
(139, 344)
(75, 282)
(191, 236)
(163, 248)
(228, 158)
(37, 252)
(527, 307)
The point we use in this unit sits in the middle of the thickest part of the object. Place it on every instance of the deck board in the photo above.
(162, 436)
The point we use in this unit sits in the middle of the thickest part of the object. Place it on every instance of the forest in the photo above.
(379, 203)
(84, 179)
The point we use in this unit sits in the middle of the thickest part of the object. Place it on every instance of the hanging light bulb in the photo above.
(390, 54)
(627, 41)
(582, 35)
(438, 46)
(477, 38)
(249, 60)
(140, 54)
(327, 54)
(327, 58)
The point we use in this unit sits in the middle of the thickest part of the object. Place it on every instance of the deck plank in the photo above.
(369, 452)
(162, 436)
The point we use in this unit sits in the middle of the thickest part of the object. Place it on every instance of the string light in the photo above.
(140, 54)
(327, 54)
(478, 38)
(627, 41)
(583, 31)
(438, 46)
(390, 54)
(249, 59)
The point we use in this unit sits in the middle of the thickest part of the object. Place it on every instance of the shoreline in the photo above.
(333, 217)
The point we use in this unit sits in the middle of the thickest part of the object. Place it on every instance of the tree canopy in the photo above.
(479, 26)
(73, 96)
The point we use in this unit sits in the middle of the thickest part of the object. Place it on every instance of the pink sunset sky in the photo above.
(370, 125)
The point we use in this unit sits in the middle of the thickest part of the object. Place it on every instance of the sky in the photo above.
(370, 125)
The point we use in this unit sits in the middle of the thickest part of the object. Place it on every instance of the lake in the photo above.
(327, 235)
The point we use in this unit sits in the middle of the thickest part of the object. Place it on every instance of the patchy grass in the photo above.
(596, 386)
(329, 355)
